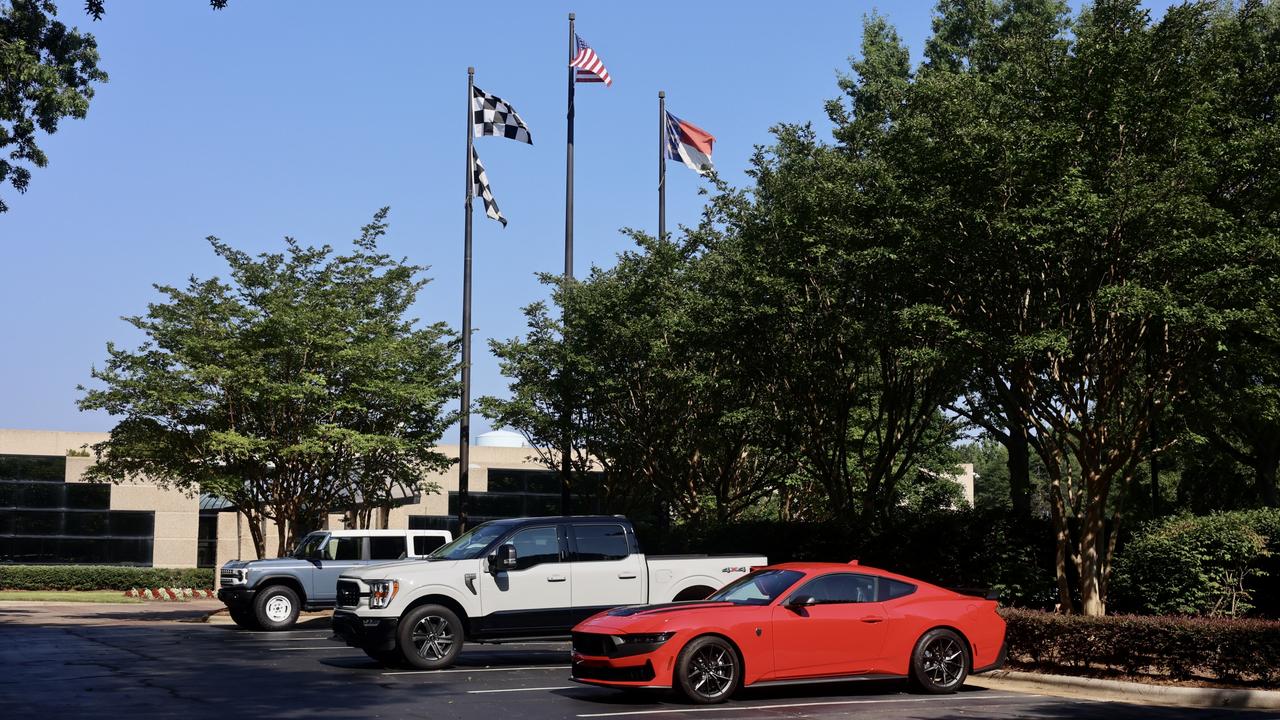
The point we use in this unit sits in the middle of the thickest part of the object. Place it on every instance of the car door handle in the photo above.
(871, 619)
(555, 578)
(626, 576)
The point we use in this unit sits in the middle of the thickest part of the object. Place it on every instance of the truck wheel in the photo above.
(276, 608)
(430, 637)
(708, 670)
(244, 618)
(940, 662)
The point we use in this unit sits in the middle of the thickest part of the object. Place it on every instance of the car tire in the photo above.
(430, 637)
(244, 618)
(940, 662)
(708, 670)
(276, 608)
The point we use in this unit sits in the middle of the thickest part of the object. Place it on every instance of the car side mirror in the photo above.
(503, 559)
(802, 601)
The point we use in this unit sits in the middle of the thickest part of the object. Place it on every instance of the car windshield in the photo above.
(310, 545)
(758, 588)
(471, 544)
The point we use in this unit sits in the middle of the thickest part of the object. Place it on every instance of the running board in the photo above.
(825, 679)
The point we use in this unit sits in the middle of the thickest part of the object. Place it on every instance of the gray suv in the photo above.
(269, 594)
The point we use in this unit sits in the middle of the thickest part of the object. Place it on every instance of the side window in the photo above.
(344, 548)
(840, 588)
(424, 544)
(891, 589)
(386, 547)
(535, 546)
(601, 542)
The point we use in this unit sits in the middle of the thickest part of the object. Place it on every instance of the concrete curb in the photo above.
(1132, 692)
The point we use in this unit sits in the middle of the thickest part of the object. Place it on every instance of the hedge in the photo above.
(101, 577)
(1234, 650)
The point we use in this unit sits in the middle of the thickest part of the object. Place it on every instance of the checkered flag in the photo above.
(480, 187)
(491, 115)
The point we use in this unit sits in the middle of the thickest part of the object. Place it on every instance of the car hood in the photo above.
(284, 563)
(653, 618)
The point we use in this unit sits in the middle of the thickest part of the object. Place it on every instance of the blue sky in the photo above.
(302, 118)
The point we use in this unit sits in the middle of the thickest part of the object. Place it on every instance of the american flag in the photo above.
(590, 66)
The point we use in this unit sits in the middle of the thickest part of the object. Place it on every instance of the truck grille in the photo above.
(593, 644)
(348, 593)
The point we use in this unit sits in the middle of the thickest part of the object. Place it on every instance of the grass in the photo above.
(89, 596)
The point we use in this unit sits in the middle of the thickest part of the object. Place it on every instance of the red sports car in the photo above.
(795, 622)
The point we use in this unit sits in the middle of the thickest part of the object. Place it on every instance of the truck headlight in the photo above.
(237, 576)
(381, 592)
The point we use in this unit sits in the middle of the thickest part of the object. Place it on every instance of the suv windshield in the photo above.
(471, 544)
(310, 545)
(759, 588)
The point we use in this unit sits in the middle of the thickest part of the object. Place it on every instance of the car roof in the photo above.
(823, 567)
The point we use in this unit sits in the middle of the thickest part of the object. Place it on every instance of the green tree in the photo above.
(1064, 193)
(661, 401)
(296, 389)
(47, 73)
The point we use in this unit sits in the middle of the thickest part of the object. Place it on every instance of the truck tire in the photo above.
(276, 608)
(244, 618)
(430, 637)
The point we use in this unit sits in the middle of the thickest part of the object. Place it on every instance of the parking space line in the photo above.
(334, 646)
(722, 708)
(507, 690)
(475, 670)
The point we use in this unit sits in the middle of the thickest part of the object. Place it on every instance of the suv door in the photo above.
(606, 570)
(534, 598)
(338, 555)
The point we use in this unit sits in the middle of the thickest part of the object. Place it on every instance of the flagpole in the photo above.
(566, 445)
(464, 422)
(662, 165)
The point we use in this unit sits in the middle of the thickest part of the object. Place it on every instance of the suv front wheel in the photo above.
(276, 608)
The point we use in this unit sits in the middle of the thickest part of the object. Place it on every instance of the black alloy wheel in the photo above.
(940, 662)
(708, 670)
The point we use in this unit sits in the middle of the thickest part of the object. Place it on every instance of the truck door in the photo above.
(533, 599)
(607, 570)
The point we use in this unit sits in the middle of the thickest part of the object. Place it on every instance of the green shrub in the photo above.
(100, 577)
(1188, 565)
(1180, 647)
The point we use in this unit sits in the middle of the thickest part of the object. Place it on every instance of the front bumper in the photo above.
(610, 672)
(237, 597)
(367, 633)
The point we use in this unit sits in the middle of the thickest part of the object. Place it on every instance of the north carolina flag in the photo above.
(690, 144)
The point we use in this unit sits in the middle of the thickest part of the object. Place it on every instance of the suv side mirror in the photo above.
(503, 559)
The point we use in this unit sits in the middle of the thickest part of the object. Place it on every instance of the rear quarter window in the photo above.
(893, 589)
(601, 542)
(386, 547)
(424, 544)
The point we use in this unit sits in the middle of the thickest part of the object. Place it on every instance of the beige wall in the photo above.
(177, 515)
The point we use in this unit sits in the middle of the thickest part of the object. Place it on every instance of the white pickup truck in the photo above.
(515, 579)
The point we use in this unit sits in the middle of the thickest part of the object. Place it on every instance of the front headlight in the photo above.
(381, 592)
(237, 576)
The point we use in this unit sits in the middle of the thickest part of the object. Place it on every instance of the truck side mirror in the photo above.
(503, 559)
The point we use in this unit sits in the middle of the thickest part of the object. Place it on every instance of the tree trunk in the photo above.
(255, 533)
(1062, 534)
(1266, 477)
(1019, 464)
(1093, 548)
(282, 529)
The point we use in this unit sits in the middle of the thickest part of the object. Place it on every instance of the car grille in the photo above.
(348, 593)
(593, 644)
(639, 673)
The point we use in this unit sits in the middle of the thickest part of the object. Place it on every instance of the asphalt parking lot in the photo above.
(80, 662)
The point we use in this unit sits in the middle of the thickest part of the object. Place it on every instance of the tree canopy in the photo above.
(298, 388)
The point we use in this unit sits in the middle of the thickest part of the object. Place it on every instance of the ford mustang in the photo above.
(795, 622)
